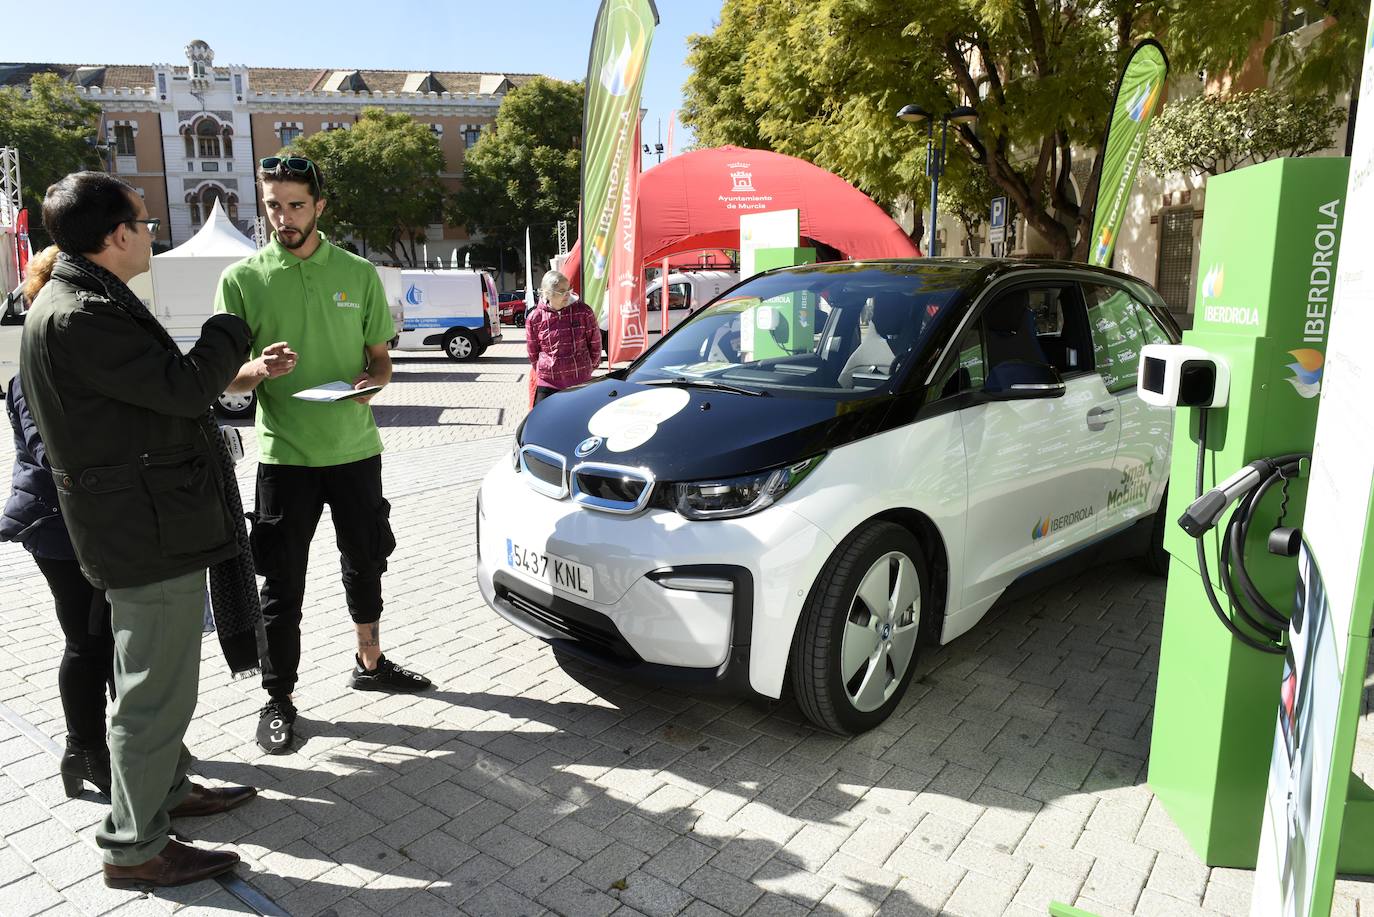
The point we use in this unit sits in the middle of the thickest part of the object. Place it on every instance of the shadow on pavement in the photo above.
(581, 806)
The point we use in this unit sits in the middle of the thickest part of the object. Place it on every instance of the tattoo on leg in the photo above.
(374, 641)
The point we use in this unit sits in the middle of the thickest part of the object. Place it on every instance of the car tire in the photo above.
(863, 614)
(236, 407)
(1155, 559)
(393, 343)
(460, 345)
(520, 320)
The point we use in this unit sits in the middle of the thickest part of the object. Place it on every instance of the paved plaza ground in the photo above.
(1013, 774)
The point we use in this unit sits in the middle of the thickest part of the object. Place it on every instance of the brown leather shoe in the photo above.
(206, 800)
(177, 864)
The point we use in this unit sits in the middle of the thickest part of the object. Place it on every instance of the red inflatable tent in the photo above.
(694, 201)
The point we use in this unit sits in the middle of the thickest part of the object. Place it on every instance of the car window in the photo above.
(1150, 326)
(1039, 324)
(679, 297)
(825, 329)
(1118, 334)
(968, 370)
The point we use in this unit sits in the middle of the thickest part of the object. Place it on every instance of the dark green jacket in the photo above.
(120, 410)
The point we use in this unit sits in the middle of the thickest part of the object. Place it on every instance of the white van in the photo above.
(687, 292)
(455, 311)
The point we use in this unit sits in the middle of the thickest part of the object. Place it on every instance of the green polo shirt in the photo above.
(327, 307)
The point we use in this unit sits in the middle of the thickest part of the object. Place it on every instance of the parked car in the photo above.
(687, 292)
(512, 308)
(453, 311)
(827, 468)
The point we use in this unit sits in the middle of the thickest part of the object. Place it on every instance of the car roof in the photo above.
(984, 269)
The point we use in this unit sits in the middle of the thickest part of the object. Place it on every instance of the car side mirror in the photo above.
(1016, 380)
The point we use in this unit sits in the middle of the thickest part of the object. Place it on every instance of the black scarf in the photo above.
(233, 582)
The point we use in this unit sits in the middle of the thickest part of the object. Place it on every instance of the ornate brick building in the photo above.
(190, 133)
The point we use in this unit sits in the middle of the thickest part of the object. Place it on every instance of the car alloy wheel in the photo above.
(858, 637)
(879, 641)
(236, 406)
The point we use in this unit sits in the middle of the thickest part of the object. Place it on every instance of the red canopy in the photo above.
(694, 201)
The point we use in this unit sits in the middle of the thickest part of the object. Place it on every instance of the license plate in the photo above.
(558, 572)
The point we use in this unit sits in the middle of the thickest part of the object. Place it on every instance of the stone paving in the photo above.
(1012, 775)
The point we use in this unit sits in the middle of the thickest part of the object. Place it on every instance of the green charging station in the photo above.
(788, 325)
(1266, 272)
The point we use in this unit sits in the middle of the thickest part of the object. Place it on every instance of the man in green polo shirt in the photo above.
(326, 309)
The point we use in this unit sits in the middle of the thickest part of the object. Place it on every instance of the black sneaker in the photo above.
(276, 726)
(388, 677)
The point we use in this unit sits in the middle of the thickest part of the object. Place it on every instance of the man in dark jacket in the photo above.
(120, 410)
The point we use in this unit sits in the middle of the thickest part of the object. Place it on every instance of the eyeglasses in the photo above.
(152, 223)
(563, 292)
(295, 165)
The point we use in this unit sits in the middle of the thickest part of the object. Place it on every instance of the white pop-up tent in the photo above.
(184, 279)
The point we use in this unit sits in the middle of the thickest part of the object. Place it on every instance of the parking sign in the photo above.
(997, 221)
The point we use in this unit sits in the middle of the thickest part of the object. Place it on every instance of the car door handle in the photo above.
(1099, 417)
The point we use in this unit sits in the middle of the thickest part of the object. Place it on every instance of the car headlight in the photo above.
(729, 498)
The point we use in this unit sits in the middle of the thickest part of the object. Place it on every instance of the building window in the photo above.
(203, 201)
(228, 144)
(124, 139)
(1294, 16)
(190, 147)
(207, 140)
(1176, 257)
(162, 85)
(198, 69)
(238, 84)
(289, 133)
(471, 134)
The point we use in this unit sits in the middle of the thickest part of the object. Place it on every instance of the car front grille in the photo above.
(589, 628)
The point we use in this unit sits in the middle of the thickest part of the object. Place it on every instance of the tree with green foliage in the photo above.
(823, 80)
(1212, 134)
(54, 130)
(381, 181)
(966, 193)
(525, 171)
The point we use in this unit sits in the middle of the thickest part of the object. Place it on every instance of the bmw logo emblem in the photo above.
(588, 446)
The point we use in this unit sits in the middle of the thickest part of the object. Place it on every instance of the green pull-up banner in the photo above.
(1137, 99)
(615, 75)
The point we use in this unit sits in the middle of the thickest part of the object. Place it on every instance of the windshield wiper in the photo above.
(709, 383)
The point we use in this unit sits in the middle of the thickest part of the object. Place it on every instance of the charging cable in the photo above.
(1248, 485)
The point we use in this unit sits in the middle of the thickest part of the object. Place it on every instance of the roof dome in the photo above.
(198, 50)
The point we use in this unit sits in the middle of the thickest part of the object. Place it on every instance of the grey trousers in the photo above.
(157, 630)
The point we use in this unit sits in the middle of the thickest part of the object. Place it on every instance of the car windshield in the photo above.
(823, 330)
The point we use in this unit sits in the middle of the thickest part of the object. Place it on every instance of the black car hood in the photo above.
(713, 434)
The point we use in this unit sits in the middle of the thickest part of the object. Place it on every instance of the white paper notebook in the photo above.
(334, 391)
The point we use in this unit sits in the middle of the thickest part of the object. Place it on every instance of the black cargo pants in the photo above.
(290, 499)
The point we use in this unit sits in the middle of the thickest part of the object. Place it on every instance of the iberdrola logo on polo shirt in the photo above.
(341, 300)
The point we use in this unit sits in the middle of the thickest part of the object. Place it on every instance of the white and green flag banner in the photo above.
(615, 75)
(1137, 100)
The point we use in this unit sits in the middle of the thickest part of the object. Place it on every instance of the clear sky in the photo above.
(496, 36)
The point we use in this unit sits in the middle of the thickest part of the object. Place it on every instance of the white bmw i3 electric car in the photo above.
(828, 467)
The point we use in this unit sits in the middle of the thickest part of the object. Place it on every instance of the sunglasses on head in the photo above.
(295, 165)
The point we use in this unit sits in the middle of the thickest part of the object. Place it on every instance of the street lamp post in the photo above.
(935, 159)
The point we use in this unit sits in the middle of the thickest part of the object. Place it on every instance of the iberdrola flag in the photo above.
(1137, 100)
(615, 75)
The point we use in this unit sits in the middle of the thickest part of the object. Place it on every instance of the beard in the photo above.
(299, 236)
